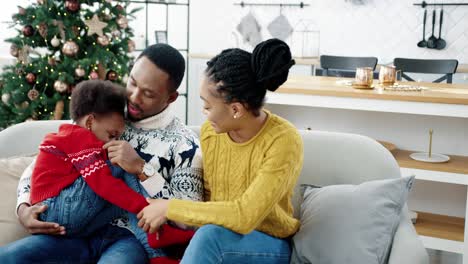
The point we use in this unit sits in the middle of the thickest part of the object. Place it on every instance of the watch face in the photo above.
(148, 170)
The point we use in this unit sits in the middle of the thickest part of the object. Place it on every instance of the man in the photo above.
(157, 147)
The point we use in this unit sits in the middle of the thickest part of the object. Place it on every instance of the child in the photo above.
(73, 177)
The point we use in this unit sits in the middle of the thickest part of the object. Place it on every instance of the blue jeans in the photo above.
(109, 245)
(80, 210)
(214, 244)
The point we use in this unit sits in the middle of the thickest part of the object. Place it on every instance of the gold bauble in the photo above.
(103, 40)
(60, 86)
(70, 48)
(122, 22)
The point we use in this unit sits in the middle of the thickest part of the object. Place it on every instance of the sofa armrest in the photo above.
(407, 248)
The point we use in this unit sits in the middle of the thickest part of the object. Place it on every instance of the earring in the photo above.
(235, 116)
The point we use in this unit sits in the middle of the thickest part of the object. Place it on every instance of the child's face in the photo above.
(108, 127)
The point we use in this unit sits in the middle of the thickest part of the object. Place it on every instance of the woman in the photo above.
(251, 158)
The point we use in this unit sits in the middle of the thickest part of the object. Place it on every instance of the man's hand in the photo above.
(121, 153)
(153, 216)
(28, 216)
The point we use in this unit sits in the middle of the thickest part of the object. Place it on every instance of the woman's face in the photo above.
(108, 127)
(219, 113)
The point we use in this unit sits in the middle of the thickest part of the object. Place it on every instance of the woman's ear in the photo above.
(238, 110)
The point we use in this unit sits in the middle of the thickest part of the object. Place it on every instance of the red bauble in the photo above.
(31, 78)
(93, 75)
(119, 7)
(28, 31)
(72, 5)
(111, 75)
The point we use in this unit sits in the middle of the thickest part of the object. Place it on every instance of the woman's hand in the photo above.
(121, 153)
(153, 216)
(28, 217)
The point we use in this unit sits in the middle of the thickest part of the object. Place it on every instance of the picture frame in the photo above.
(161, 36)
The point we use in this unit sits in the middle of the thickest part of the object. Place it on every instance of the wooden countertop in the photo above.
(327, 86)
(462, 68)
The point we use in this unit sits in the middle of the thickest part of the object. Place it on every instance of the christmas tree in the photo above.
(60, 43)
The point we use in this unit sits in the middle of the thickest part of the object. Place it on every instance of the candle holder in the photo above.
(430, 156)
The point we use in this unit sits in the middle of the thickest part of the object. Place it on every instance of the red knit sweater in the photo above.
(76, 152)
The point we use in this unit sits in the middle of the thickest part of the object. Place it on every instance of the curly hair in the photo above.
(245, 77)
(98, 97)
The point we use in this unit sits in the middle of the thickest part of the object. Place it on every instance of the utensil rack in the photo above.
(301, 4)
(424, 4)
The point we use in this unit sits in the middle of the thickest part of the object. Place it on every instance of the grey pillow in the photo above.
(352, 224)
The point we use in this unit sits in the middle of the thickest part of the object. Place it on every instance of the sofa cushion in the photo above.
(351, 224)
(10, 173)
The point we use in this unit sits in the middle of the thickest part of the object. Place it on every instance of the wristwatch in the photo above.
(148, 170)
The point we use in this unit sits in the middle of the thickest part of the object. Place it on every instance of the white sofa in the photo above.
(329, 158)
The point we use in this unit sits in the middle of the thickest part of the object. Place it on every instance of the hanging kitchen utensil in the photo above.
(280, 27)
(431, 42)
(423, 42)
(250, 29)
(440, 43)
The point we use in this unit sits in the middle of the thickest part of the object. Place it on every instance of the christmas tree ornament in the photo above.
(23, 55)
(111, 76)
(1, 85)
(106, 17)
(28, 31)
(55, 42)
(103, 40)
(23, 105)
(95, 26)
(31, 78)
(41, 2)
(122, 22)
(14, 51)
(93, 75)
(70, 48)
(119, 7)
(72, 5)
(116, 33)
(51, 61)
(21, 11)
(19, 71)
(76, 31)
(80, 72)
(60, 86)
(58, 112)
(33, 94)
(109, 1)
(131, 45)
(60, 26)
(42, 28)
(6, 98)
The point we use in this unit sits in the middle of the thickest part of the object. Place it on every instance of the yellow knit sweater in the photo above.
(248, 186)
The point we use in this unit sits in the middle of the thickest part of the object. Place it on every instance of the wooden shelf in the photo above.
(456, 164)
(440, 226)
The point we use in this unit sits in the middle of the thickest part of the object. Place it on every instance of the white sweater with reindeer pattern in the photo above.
(167, 144)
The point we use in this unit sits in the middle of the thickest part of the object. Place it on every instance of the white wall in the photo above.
(381, 28)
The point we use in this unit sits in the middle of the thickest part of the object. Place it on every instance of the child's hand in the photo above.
(120, 152)
(153, 216)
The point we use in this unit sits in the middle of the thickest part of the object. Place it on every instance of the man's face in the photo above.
(148, 90)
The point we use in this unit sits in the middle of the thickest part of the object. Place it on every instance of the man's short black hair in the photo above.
(167, 59)
(98, 97)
